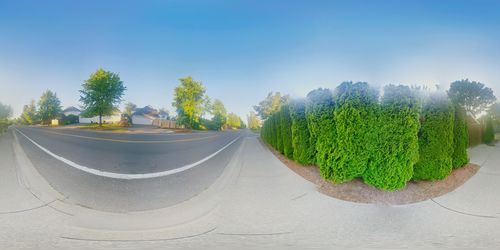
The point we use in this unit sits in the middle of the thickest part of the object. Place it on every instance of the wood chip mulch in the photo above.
(358, 191)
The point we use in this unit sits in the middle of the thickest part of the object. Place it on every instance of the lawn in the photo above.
(108, 126)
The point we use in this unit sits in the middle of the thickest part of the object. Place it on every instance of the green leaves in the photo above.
(435, 139)
(303, 149)
(473, 96)
(49, 107)
(393, 142)
(101, 93)
(190, 101)
(460, 138)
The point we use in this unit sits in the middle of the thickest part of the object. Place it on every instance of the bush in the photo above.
(321, 125)
(279, 137)
(69, 119)
(286, 130)
(395, 141)
(355, 119)
(489, 132)
(460, 138)
(303, 152)
(435, 140)
(4, 123)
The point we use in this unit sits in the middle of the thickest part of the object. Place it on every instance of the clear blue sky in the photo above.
(242, 50)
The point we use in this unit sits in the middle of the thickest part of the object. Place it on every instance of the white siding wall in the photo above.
(95, 119)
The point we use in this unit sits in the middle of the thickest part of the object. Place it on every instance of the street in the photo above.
(133, 171)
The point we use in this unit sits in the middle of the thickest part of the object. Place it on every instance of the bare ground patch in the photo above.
(358, 191)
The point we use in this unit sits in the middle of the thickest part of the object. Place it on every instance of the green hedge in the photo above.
(435, 140)
(279, 137)
(489, 132)
(395, 141)
(460, 138)
(303, 150)
(355, 120)
(286, 130)
(319, 115)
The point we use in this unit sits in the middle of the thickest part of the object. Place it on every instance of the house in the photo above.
(71, 111)
(145, 116)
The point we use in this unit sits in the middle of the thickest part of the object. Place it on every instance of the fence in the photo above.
(162, 123)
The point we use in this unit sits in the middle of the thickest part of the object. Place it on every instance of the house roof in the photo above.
(71, 109)
(147, 110)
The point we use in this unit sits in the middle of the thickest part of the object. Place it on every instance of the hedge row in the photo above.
(350, 133)
(436, 140)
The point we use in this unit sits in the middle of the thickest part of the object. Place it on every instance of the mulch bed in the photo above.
(358, 191)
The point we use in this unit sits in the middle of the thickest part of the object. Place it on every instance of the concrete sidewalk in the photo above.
(259, 203)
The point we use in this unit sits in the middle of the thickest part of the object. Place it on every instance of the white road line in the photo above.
(127, 176)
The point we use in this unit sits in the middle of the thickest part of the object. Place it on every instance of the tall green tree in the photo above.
(49, 107)
(190, 102)
(253, 120)
(473, 96)
(219, 113)
(101, 93)
(233, 120)
(270, 105)
(29, 115)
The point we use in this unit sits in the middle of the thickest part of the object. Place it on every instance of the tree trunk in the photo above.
(100, 120)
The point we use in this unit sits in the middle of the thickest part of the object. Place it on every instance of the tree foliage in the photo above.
(190, 102)
(253, 121)
(29, 115)
(460, 138)
(129, 108)
(219, 113)
(321, 125)
(233, 120)
(270, 105)
(355, 117)
(473, 96)
(101, 93)
(303, 150)
(489, 132)
(49, 107)
(286, 130)
(435, 139)
(394, 145)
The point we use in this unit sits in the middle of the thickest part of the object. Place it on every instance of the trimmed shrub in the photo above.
(321, 125)
(460, 138)
(286, 130)
(395, 141)
(279, 137)
(435, 140)
(303, 152)
(489, 132)
(355, 120)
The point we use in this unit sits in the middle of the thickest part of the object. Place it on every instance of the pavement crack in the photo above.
(298, 197)
(28, 209)
(464, 213)
(141, 240)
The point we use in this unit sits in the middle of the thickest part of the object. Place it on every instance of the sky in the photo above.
(241, 50)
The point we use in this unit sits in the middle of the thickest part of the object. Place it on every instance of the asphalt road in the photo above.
(130, 154)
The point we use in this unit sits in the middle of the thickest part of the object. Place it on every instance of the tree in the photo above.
(489, 132)
(5, 111)
(435, 139)
(270, 105)
(101, 93)
(473, 96)
(355, 120)
(219, 114)
(460, 138)
(164, 113)
(303, 150)
(129, 108)
(29, 115)
(49, 107)
(233, 120)
(253, 120)
(190, 102)
(395, 142)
